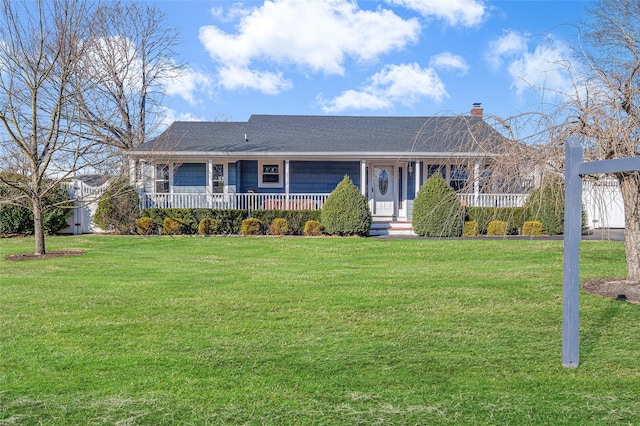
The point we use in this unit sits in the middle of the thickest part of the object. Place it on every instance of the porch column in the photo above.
(210, 182)
(132, 172)
(363, 178)
(418, 174)
(286, 183)
(476, 182)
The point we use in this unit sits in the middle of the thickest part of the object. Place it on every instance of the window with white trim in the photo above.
(270, 174)
(162, 178)
(217, 178)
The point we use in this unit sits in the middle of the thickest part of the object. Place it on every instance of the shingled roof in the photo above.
(325, 135)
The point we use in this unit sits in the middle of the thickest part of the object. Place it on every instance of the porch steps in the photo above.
(391, 228)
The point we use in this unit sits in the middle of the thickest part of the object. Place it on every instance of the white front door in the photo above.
(383, 191)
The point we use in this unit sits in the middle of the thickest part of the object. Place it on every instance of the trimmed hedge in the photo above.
(230, 220)
(145, 226)
(296, 219)
(251, 226)
(532, 228)
(470, 229)
(312, 228)
(514, 216)
(497, 228)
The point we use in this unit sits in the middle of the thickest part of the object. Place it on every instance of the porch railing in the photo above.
(250, 201)
(245, 201)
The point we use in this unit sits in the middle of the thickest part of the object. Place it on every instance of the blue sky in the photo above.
(386, 57)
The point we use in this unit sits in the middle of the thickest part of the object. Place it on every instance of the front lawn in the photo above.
(349, 331)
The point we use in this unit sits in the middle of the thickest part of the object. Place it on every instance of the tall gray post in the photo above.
(572, 236)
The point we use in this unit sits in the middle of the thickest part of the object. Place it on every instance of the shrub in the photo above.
(346, 211)
(470, 229)
(312, 228)
(532, 228)
(436, 210)
(251, 226)
(118, 208)
(17, 217)
(230, 220)
(497, 228)
(514, 216)
(145, 226)
(209, 226)
(296, 219)
(279, 226)
(171, 226)
(546, 205)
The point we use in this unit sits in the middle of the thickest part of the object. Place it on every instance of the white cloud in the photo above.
(467, 13)
(239, 78)
(405, 84)
(317, 36)
(546, 68)
(511, 44)
(188, 83)
(449, 61)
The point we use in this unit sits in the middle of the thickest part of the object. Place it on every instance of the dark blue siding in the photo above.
(321, 177)
(233, 176)
(411, 182)
(190, 174)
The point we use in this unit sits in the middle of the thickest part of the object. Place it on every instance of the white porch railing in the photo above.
(252, 201)
(233, 201)
(493, 200)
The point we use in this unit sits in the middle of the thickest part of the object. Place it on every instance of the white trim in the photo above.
(313, 156)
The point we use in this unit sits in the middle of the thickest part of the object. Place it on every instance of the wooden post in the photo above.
(572, 235)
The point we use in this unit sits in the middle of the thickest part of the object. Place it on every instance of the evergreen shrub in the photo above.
(497, 228)
(514, 216)
(546, 204)
(251, 226)
(312, 228)
(437, 211)
(118, 208)
(171, 226)
(470, 229)
(532, 228)
(296, 219)
(346, 211)
(230, 220)
(145, 226)
(279, 226)
(17, 217)
(209, 226)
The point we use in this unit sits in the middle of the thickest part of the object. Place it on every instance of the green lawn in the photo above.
(280, 331)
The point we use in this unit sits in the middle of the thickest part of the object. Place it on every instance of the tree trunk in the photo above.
(630, 186)
(38, 225)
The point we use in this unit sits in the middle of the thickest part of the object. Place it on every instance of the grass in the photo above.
(275, 331)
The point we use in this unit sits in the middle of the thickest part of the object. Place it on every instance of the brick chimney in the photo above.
(477, 110)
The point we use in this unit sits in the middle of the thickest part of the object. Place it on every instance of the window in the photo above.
(270, 175)
(432, 169)
(162, 178)
(459, 177)
(217, 179)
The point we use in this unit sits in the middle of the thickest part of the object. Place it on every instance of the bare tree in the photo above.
(40, 50)
(127, 60)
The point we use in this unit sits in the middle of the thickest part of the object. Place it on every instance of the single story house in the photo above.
(294, 162)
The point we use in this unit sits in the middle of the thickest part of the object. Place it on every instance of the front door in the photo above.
(383, 191)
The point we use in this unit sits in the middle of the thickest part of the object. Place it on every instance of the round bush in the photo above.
(171, 226)
(346, 211)
(437, 211)
(251, 226)
(209, 226)
(145, 226)
(279, 226)
(470, 229)
(312, 228)
(497, 228)
(532, 228)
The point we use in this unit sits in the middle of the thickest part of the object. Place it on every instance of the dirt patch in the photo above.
(48, 255)
(619, 289)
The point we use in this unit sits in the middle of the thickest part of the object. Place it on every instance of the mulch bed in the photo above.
(48, 255)
(619, 289)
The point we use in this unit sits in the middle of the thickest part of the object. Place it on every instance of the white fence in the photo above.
(234, 201)
(493, 200)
